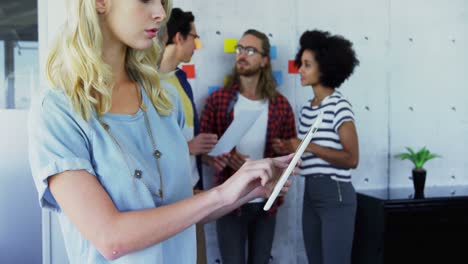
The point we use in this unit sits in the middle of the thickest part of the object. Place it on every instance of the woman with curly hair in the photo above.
(325, 61)
(107, 151)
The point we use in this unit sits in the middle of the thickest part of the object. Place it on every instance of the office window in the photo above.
(2, 69)
(19, 60)
(26, 72)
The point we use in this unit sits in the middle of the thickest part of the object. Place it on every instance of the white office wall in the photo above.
(428, 92)
(410, 89)
(411, 55)
(285, 21)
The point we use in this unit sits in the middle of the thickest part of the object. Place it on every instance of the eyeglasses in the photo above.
(195, 36)
(249, 51)
(196, 39)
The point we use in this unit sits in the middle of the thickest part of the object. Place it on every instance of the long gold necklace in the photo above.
(137, 173)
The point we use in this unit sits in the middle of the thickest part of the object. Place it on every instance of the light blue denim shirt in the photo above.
(60, 140)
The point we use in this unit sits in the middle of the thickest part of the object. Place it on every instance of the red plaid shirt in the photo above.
(219, 113)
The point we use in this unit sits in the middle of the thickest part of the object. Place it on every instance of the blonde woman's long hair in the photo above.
(75, 64)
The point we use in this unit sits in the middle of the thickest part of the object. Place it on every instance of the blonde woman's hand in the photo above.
(282, 163)
(255, 178)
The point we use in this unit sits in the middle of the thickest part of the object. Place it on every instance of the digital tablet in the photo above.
(297, 155)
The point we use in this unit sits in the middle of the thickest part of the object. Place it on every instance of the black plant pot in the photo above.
(419, 180)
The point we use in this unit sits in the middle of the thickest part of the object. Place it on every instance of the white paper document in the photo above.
(235, 131)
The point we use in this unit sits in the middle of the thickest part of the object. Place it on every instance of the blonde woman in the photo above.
(106, 148)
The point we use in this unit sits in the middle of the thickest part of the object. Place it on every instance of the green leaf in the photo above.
(403, 156)
(418, 158)
(423, 157)
(410, 150)
(432, 155)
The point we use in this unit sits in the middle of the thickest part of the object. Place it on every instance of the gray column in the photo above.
(9, 74)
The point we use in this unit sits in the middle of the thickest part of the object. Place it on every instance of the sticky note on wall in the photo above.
(292, 67)
(198, 43)
(230, 45)
(226, 80)
(212, 89)
(278, 77)
(273, 52)
(189, 69)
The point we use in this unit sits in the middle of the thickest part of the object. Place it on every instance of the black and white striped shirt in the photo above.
(337, 110)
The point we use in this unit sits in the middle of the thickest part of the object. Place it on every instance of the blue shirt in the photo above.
(61, 140)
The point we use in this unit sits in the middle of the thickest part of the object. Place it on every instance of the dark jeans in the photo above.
(328, 218)
(254, 226)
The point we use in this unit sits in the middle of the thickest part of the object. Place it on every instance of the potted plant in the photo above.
(419, 173)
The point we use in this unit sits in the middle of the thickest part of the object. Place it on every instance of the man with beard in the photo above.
(251, 86)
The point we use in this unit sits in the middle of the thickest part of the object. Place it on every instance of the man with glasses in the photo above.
(251, 86)
(182, 40)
